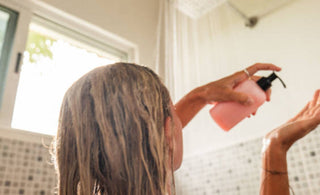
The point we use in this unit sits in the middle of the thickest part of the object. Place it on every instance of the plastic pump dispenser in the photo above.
(228, 114)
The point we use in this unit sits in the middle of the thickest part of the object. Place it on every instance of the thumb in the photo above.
(241, 98)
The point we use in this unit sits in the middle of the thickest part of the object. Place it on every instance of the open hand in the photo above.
(299, 126)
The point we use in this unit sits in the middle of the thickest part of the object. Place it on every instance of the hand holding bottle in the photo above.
(228, 114)
(220, 91)
(238, 97)
(223, 90)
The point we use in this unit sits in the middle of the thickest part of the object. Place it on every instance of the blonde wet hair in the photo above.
(110, 137)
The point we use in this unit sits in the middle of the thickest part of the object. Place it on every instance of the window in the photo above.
(43, 50)
(54, 58)
(8, 21)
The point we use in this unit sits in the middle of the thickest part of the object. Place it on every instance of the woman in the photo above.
(119, 132)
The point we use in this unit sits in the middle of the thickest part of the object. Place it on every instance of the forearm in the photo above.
(190, 105)
(274, 177)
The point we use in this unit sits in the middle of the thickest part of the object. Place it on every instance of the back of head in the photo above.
(111, 133)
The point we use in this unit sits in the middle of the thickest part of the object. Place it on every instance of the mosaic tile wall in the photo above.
(236, 170)
(25, 169)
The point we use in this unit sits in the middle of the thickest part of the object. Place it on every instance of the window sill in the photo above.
(26, 136)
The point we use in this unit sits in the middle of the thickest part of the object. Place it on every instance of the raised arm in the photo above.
(274, 180)
(218, 91)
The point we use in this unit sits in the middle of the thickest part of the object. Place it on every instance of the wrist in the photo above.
(274, 172)
(274, 158)
(198, 95)
(274, 147)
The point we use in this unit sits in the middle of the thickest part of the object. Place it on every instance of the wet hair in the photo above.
(110, 137)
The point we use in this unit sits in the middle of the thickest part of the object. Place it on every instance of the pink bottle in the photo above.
(228, 114)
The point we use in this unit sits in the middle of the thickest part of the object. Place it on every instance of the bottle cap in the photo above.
(265, 82)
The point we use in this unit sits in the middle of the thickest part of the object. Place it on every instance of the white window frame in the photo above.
(27, 9)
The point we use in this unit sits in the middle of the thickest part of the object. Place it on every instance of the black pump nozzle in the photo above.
(265, 82)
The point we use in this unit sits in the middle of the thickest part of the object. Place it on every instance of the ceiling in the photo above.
(197, 8)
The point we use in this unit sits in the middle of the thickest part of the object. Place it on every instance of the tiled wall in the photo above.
(236, 170)
(25, 168)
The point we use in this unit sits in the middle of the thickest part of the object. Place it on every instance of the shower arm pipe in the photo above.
(253, 20)
(249, 21)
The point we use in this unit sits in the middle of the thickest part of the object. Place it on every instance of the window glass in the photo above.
(8, 21)
(4, 18)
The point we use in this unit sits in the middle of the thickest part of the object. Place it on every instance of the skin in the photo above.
(279, 141)
(173, 134)
(174, 138)
(194, 101)
(219, 91)
(276, 143)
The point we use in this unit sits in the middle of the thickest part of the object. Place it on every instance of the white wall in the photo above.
(289, 38)
(134, 20)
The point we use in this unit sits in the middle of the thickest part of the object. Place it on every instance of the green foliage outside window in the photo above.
(39, 45)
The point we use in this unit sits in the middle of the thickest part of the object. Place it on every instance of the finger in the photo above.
(314, 111)
(311, 124)
(251, 70)
(300, 129)
(255, 78)
(241, 98)
(316, 98)
(308, 112)
(318, 101)
(262, 66)
(317, 113)
(268, 93)
(313, 102)
(300, 114)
